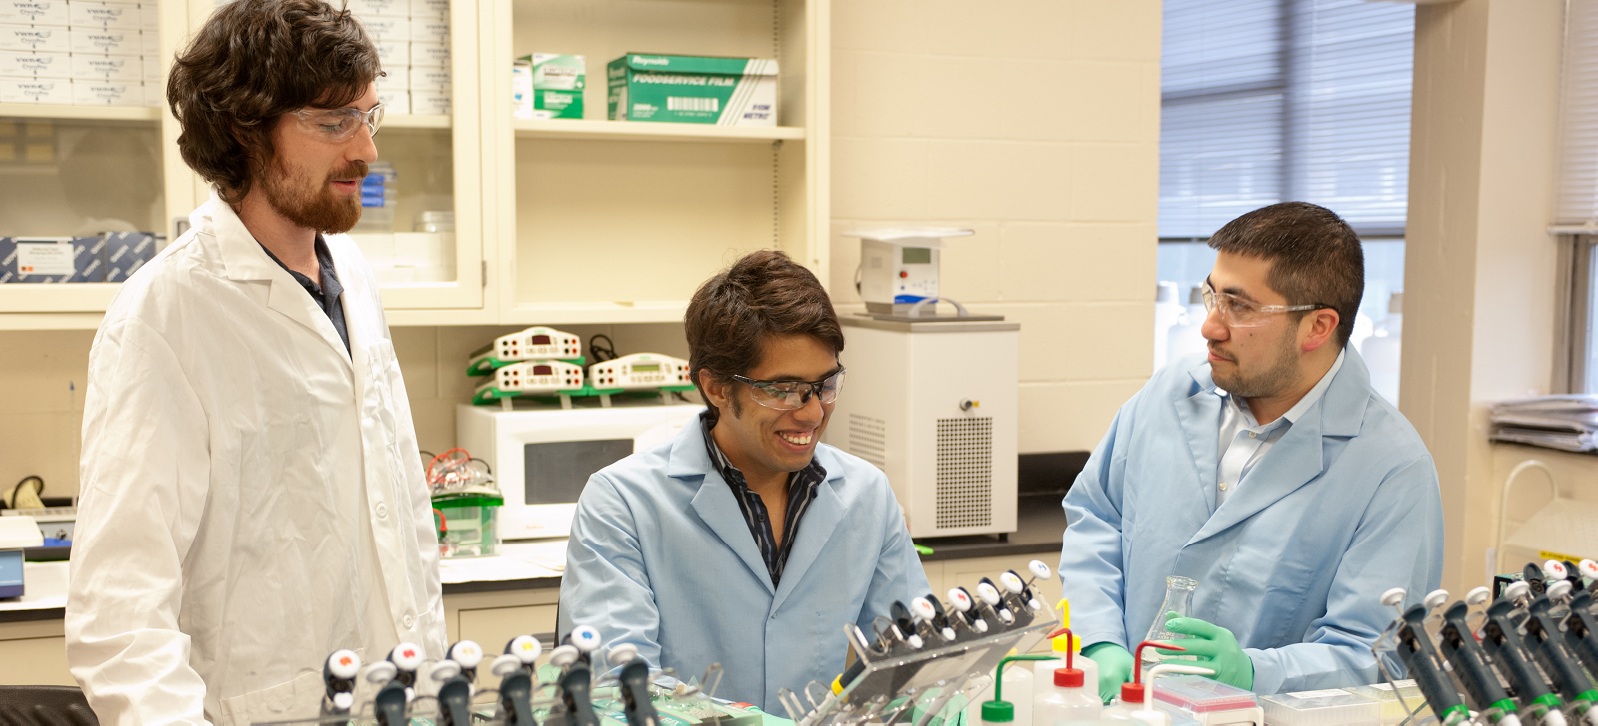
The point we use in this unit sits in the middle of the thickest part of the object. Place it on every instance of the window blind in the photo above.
(1271, 100)
(1577, 201)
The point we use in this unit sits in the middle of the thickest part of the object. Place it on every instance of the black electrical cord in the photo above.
(38, 490)
(601, 353)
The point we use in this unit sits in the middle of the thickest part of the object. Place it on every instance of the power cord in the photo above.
(30, 501)
(601, 353)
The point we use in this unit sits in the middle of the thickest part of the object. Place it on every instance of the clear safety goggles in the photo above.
(339, 124)
(790, 395)
(1238, 312)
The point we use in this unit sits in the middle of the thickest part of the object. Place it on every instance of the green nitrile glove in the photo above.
(1115, 668)
(1215, 648)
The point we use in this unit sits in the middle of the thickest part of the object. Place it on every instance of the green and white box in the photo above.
(693, 89)
(549, 85)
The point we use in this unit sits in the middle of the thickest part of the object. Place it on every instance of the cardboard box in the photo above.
(107, 67)
(430, 30)
(429, 80)
(397, 77)
(32, 38)
(30, 64)
(34, 12)
(35, 90)
(36, 259)
(105, 14)
(126, 252)
(381, 28)
(102, 41)
(393, 52)
(692, 89)
(429, 55)
(549, 85)
(379, 8)
(430, 9)
(107, 93)
(430, 103)
(394, 100)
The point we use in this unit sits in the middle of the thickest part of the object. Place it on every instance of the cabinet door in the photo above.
(492, 628)
(423, 231)
(74, 164)
(603, 221)
(35, 662)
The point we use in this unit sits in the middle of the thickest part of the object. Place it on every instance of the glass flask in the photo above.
(1179, 600)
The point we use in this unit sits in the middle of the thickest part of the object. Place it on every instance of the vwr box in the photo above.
(693, 89)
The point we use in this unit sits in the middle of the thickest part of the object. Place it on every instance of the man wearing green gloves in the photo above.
(1269, 471)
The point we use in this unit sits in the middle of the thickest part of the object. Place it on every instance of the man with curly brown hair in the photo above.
(252, 494)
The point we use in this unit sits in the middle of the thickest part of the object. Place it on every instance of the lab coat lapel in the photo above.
(1291, 463)
(244, 260)
(820, 520)
(1197, 415)
(714, 502)
(1298, 457)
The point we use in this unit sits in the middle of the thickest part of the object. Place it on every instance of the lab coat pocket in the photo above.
(294, 699)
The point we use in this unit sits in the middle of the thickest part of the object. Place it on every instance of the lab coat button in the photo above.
(1253, 435)
(382, 513)
(408, 621)
(1223, 486)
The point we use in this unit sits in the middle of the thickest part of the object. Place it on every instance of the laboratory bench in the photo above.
(490, 599)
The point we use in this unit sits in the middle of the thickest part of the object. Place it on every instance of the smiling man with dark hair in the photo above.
(746, 541)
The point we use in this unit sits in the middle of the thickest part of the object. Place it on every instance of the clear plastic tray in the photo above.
(1320, 708)
(1201, 695)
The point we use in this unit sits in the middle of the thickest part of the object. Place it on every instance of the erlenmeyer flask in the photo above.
(1179, 600)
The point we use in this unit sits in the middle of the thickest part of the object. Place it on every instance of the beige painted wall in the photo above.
(1037, 124)
(1480, 301)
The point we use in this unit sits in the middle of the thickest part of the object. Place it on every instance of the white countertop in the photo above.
(46, 582)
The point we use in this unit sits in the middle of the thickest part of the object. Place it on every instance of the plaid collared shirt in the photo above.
(802, 486)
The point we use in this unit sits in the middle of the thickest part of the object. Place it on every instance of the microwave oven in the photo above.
(542, 458)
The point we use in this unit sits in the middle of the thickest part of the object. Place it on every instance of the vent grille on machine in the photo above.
(964, 473)
(868, 439)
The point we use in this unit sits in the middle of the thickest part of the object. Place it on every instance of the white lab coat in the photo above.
(252, 498)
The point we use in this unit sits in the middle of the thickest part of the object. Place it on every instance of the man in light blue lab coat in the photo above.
(745, 541)
(1269, 471)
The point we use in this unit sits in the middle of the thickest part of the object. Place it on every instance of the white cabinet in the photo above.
(558, 222)
(604, 221)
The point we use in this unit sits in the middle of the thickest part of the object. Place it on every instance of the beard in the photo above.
(1280, 375)
(310, 204)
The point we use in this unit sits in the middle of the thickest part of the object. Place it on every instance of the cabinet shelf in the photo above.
(596, 312)
(147, 114)
(647, 131)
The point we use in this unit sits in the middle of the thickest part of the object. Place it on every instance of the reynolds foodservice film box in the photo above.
(549, 85)
(693, 89)
(126, 252)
